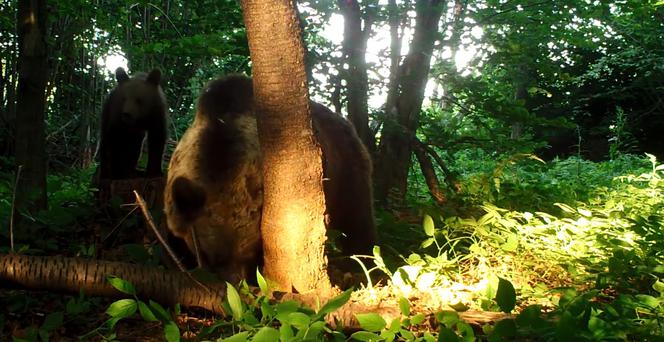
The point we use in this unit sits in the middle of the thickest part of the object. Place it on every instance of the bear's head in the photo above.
(139, 98)
(214, 185)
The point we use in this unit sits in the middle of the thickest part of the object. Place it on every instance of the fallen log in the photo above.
(168, 287)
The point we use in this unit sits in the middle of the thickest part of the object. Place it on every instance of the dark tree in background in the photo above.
(31, 103)
(357, 29)
(402, 116)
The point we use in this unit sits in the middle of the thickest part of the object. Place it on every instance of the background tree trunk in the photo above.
(402, 119)
(521, 81)
(395, 57)
(31, 103)
(292, 225)
(357, 80)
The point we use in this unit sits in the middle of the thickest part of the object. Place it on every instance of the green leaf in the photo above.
(365, 336)
(388, 336)
(122, 308)
(511, 244)
(659, 287)
(505, 295)
(53, 321)
(460, 307)
(447, 318)
(171, 332)
(428, 242)
(409, 336)
(395, 325)
(584, 212)
(647, 301)
(249, 318)
(447, 335)
(505, 328)
(262, 284)
(111, 322)
(234, 301)
(299, 320)
(566, 328)
(466, 331)
(285, 332)
(284, 309)
(159, 311)
(315, 330)
(371, 321)
(267, 310)
(428, 337)
(267, 334)
(122, 285)
(146, 313)
(334, 304)
(287, 307)
(564, 207)
(598, 326)
(428, 225)
(405, 323)
(404, 306)
(530, 317)
(239, 337)
(417, 319)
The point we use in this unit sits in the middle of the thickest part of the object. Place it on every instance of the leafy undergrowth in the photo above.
(570, 251)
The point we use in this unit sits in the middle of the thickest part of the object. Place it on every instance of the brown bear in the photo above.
(135, 107)
(215, 184)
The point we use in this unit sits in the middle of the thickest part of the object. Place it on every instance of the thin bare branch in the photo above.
(11, 216)
(148, 218)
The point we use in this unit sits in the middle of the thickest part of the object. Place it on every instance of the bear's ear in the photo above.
(154, 77)
(121, 75)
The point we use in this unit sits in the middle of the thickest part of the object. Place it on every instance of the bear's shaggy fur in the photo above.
(135, 107)
(215, 183)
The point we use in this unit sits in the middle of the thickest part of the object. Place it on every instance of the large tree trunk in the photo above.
(293, 225)
(31, 103)
(402, 120)
(357, 80)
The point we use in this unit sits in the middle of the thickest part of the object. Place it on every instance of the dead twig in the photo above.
(197, 250)
(148, 217)
(11, 216)
(118, 225)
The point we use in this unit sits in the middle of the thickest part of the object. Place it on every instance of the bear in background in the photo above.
(215, 184)
(135, 107)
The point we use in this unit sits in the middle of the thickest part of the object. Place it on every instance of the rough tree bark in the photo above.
(31, 103)
(357, 80)
(402, 118)
(70, 275)
(292, 225)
